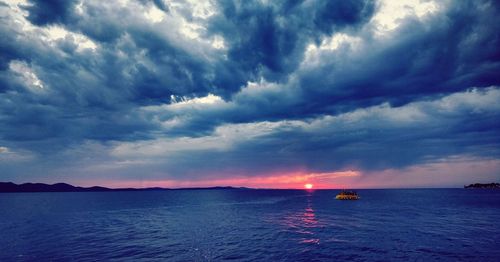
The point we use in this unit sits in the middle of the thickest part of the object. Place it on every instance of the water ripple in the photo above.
(249, 225)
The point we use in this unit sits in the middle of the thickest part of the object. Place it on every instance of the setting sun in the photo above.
(308, 186)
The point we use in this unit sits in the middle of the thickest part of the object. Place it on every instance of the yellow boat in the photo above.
(347, 195)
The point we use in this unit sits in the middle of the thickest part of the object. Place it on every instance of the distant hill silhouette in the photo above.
(40, 187)
(478, 185)
(6, 187)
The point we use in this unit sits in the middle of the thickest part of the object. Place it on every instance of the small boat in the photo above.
(347, 195)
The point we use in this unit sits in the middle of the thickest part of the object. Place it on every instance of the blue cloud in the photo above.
(104, 74)
(269, 40)
(45, 12)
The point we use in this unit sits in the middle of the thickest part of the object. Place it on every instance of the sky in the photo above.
(266, 94)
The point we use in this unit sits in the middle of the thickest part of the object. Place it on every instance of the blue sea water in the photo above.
(251, 225)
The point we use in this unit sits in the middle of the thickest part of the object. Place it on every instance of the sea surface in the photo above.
(251, 225)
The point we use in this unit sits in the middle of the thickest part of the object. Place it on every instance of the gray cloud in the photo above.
(181, 75)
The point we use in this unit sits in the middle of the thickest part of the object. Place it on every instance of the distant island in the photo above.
(478, 185)
(9, 187)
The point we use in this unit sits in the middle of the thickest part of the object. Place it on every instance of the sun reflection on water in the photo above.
(303, 223)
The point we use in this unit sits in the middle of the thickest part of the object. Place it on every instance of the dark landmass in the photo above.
(9, 187)
(478, 185)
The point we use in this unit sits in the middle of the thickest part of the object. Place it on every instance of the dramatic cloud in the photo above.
(47, 12)
(257, 93)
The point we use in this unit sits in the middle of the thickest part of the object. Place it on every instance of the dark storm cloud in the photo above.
(269, 39)
(88, 94)
(161, 5)
(449, 53)
(103, 81)
(43, 12)
(372, 139)
(127, 85)
(456, 51)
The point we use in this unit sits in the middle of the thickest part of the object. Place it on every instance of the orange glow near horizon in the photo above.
(293, 180)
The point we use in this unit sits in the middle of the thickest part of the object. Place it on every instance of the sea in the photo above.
(251, 225)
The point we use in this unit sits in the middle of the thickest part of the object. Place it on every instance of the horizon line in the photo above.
(232, 186)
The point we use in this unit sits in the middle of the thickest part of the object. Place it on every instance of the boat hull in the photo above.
(346, 197)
